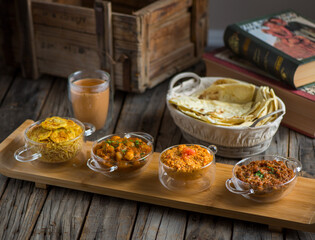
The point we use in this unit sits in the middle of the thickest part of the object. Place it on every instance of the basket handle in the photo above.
(181, 76)
(268, 115)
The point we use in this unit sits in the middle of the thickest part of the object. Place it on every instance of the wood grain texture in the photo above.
(65, 16)
(217, 200)
(109, 218)
(23, 101)
(23, 96)
(155, 40)
(19, 206)
(62, 215)
(27, 56)
(305, 152)
(201, 226)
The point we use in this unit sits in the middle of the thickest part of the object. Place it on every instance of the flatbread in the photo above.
(228, 102)
(229, 91)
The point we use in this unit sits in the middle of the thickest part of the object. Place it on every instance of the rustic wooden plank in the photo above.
(159, 223)
(172, 225)
(57, 102)
(172, 63)
(303, 148)
(103, 15)
(247, 231)
(62, 215)
(26, 31)
(6, 79)
(7, 32)
(20, 203)
(66, 16)
(125, 27)
(200, 226)
(141, 111)
(162, 10)
(24, 100)
(19, 208)
(199, 26)
(280, 143)
(165, 38)
(109, 218)
(74, 51)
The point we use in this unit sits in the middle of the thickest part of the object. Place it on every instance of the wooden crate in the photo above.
(141, 43)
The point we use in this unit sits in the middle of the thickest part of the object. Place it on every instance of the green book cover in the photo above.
(278, 43)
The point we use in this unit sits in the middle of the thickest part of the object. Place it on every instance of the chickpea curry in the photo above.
(122, 152)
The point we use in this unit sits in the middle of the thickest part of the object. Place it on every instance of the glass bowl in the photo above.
(189, 180)
(49, 151)
(113, 167)
(261, 186)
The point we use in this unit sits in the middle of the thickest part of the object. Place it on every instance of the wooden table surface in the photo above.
(28, 212)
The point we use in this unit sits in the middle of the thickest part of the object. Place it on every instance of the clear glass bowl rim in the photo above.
(135, 134)
(42, 120)
(272, 157)
(188, 144)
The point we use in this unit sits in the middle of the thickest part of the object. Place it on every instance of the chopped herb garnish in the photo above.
(123, 151)
(259, 174)
(272, 170)
(137, 143)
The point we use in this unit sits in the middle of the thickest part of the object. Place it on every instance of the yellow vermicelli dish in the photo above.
(57, 139)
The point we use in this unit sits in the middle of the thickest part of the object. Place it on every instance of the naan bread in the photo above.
(228, 102)
(232, 92)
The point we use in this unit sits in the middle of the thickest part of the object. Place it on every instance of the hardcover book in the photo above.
(281, 44)
(300, 103)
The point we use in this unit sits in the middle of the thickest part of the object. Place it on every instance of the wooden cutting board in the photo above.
(295, 211)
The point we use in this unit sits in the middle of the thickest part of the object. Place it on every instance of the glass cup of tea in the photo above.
(90, 95)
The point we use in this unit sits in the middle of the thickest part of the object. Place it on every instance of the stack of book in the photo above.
(278, 51)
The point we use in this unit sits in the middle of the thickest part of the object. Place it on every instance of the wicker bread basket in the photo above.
(232, 142)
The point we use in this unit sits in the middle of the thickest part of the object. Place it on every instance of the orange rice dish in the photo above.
(186, 159)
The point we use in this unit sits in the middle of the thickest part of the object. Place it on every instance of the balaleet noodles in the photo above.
(228, 102)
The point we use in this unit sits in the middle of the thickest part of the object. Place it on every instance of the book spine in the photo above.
(260, 53)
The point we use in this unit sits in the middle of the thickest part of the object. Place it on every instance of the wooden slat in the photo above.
(171, 64)
(62, 214)
(125, 27)
(74, 51)
(161, 10)
(201, 226)
(166, 38)
(109, 218)
(74, 18)
(27, 55)
(19, 208)
(199, 25)
(305, 152)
